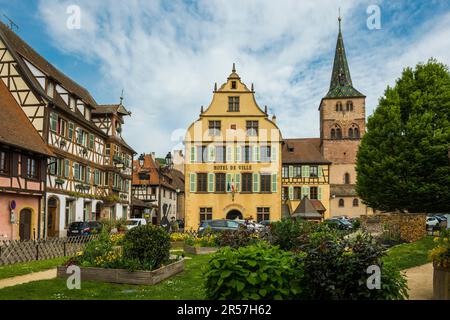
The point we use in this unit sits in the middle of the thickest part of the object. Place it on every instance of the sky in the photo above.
(167, 55)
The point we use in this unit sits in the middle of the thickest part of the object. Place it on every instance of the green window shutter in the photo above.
(66, 168)
(193, 157)
(237, 184)
(305, 171)
(274, 182)
(238, 154)
(291, 171)
(308, 171)
(76, 168)
(210, 182)
(320, 173)
(305, 192)
(193, 182)
(256, 153)
(70, 133)
(228, 182)
(88, 175)
(53, 122)
(319, 193)
(291, 192)
(229, 154)
(256, 182)
(211, 154)
(91, 141)
(273, 153)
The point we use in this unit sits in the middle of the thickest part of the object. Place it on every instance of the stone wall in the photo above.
(410, 226)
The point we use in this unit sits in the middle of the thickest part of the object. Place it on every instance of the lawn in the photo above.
(410, 255)
(20, 269)
(184, 286)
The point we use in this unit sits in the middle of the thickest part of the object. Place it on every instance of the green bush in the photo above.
(147, 247)
(254, 272)
(292, 234)
(236, 238)
(335, 268)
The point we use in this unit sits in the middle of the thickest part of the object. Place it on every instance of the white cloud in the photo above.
(167, 55)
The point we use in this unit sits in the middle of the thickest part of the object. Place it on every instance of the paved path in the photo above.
(35, 276)
(420, 282)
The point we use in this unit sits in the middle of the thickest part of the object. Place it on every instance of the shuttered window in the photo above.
(202, 182)
(246, 182)
(220, 182)
(265, 182)
(53, 122)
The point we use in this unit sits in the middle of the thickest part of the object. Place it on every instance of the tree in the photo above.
(402, 163)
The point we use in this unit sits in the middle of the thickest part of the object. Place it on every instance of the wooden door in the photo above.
(25, 225)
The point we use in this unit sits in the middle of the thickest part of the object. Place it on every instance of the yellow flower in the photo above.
(436, 239)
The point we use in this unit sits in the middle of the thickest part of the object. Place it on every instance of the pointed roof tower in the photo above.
(341, 81)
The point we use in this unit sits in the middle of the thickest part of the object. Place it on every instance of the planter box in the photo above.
(199, 250)
(177, 244)
(441, 283)
(126, 277)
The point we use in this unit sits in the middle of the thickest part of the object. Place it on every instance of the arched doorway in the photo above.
(25, 224)
(234, 214)
(52, 217)
(98, 211)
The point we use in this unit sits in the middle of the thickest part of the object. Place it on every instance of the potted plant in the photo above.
(440, 255)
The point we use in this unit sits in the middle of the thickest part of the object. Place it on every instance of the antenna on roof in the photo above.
(11, 23)
(121, 98)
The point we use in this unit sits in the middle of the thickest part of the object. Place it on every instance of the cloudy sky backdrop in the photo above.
(167, 55)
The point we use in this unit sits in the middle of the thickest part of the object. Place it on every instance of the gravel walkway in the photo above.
(420, 282)
(35, 276)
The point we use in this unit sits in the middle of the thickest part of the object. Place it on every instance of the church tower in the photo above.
(342, 125)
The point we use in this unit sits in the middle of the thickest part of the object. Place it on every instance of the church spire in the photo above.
(341, 82)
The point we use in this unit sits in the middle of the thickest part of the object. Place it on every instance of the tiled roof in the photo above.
(31, 55)
(305, 151)
(178, 179)
(151, 167)
(110, 109)
(139, 203)
(16, 130)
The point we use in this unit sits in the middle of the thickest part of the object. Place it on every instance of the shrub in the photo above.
(335, 268)
(254, 272)
(440, 254)
(207, 240)
(147, 247)
(236, 238)
(100, 247)
(292, 234)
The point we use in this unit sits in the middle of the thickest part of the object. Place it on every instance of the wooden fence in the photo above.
(14, 251)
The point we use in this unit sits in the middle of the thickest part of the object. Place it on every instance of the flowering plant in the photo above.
(440, 254)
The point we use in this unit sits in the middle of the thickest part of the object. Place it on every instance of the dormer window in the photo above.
(233, 104)
(72, 103)
(50, 89)
(233, 84)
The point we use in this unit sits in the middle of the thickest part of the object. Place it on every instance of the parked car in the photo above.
(266, 223)
(135, 222)
(252, 226)
(218, 226)
(341, 218)
(340, 224)
(433, 222)
(84, 228)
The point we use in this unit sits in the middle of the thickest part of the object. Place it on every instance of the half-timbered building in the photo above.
(23, 163)
(154, 184)
(82, 183)
(305, 174)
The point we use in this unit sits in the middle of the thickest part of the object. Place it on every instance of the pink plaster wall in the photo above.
(22, 202)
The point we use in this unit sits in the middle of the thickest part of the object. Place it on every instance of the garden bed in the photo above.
(177, 244)
(441, 283)
(127, 277)
(199, 250)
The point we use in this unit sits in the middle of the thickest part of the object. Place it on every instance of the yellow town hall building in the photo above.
(233, 159)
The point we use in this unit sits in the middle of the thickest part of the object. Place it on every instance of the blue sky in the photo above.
(168, 54)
